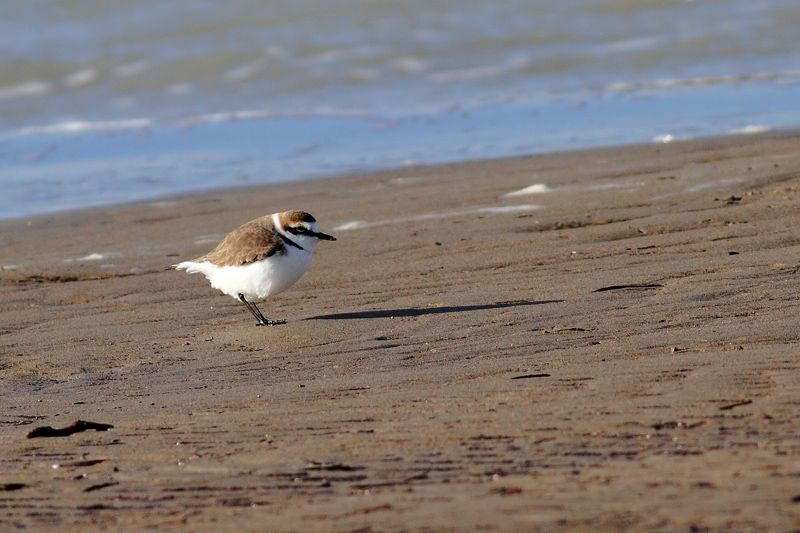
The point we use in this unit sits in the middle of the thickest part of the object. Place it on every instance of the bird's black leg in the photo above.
(261, 320)
(249, 307)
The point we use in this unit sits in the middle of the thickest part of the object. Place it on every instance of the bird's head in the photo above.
(302, 228)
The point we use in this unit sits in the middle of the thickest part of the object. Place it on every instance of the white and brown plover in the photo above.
(261, 258)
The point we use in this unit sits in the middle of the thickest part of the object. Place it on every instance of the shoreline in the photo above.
(46, 172)
(622, 349)
(368, 172)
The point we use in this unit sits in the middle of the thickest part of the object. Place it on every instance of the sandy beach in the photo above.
(615, 348)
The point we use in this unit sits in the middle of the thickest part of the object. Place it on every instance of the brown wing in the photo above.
(251, 242)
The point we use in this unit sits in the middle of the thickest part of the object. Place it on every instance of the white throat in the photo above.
(307, 243)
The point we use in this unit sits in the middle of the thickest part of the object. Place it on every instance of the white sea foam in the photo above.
(256, 114)
(536, 188)
(477, 210)
(750, 129)
(409, 64)
(664, 138)
(227, 116)
(633, 44)
(81, 126)
(27, 89)
(133, 68)
(80, 78)
(669, 83)
(242, 72)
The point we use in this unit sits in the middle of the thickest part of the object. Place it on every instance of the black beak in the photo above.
(324, 236)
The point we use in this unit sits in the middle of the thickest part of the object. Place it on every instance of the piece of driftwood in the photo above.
(75, 427)
(629, 286)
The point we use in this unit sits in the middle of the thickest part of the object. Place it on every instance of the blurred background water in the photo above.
(106, 102)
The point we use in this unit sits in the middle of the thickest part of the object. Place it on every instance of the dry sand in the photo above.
(439, 373)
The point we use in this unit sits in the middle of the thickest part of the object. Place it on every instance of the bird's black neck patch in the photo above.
(289, 241)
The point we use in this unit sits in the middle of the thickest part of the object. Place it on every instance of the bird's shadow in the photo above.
(419, 311)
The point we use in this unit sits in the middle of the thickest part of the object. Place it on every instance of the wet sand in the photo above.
(625, 356)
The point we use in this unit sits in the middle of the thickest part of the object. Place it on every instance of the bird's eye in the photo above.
(300, 229)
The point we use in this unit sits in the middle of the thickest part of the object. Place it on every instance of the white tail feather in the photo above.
(192, 267)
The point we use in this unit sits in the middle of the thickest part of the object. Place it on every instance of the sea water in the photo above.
(109, 102)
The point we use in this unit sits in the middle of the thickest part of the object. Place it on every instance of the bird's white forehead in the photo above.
(276, 222)
(313, 226)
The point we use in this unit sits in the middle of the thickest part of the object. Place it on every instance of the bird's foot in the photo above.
(269, 322)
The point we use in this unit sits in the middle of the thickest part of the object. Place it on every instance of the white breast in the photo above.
(261, 279)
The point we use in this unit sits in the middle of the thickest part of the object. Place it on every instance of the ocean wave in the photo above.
(513, 64)
(255, 114)
(81, 126)
(80, 78)
(25, 90)
(130, 69)
(242, 72)
(669, 83)
(535, 97)
(72, 127)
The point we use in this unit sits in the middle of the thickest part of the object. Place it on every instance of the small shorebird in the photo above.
(261, 258)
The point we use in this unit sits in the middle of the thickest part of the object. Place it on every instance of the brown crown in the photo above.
(288, 218)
